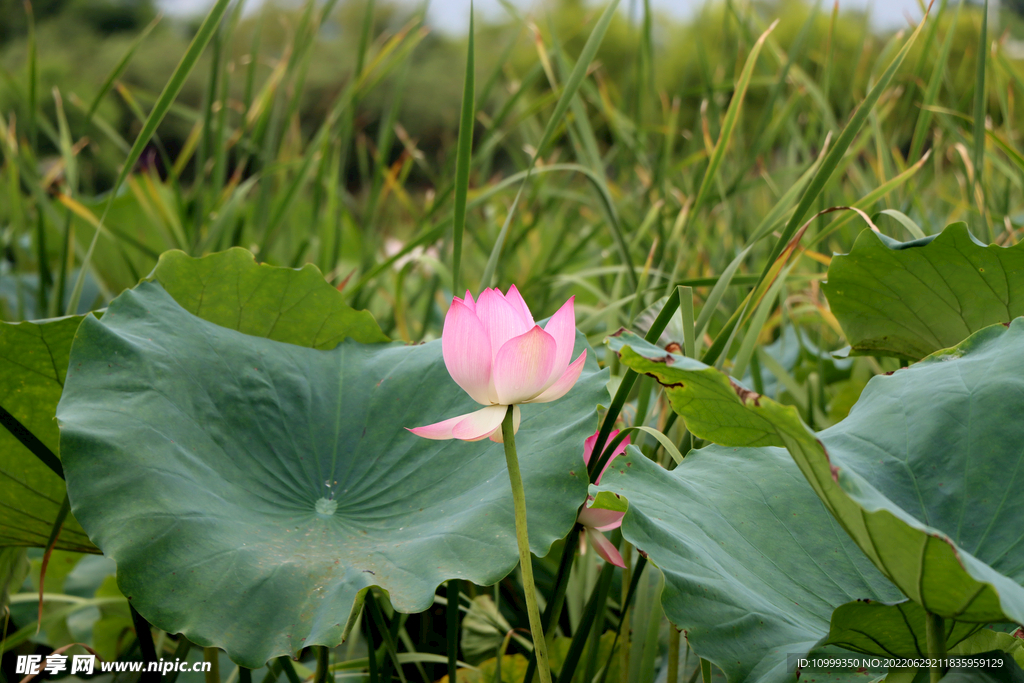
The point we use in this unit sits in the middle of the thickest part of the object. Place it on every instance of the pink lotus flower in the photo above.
(595, 520)
(500, 357)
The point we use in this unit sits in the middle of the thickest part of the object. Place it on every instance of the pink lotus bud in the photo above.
(595, 520)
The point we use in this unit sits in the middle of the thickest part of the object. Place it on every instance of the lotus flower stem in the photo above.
(540, 646)
(554, 606)
(935, 633)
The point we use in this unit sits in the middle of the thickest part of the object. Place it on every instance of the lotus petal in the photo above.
(561, 387)
(500, 318)
(602, 520)
(467, 352)
(522, 366)
(562, 326)
(605, 548)
(481, 424)
(517, 301)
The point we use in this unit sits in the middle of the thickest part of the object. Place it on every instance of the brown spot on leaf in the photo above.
(667, 385)
(746, 395)
(673, 347)
(832, 468)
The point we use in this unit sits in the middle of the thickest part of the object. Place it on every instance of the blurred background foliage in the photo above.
(326, 133)
(79, 43)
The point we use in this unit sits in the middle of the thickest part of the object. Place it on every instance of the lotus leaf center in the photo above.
(326, 506)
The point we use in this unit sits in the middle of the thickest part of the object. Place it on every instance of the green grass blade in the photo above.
(572, 84)
(463, 158)
(220, 148)
(51, 542)
(580, 122)
(776, 213)
(762, 138)
(705, 671)
(830, 50)
(731, 117)
(364, 37)
(68, 154)
(686, 314)
(871, 197)
(931, 95)
(205, 146)
(625, 386)
(171, 90)
(67, 151)
(979, 119)
(903, 219)
(843, 143)
(576, 76)
(711, 304)
(119, 68)
(595, 604)
(763, 230)
(160, 109)
(33, 76)
(757, 322)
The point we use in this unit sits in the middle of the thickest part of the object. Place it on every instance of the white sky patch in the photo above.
(452, 16)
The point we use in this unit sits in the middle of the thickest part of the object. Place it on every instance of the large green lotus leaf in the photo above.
(250, 489)
(33, 362)
(926, 474)
(890, 629)
(754, 564)
(285, 304)
(229, 289)
(14, 567)
(910, 299)
(987, 640)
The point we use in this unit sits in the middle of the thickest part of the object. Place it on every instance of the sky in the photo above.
(452, 16)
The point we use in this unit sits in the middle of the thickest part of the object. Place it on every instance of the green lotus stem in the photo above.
(323, 663)
(212, 655)
(540, 646)
(673, 654)
(935, 632)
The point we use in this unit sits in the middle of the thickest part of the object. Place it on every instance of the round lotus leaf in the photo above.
(754, 564)
(910, 299)
(925, 474)
(250, 489)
